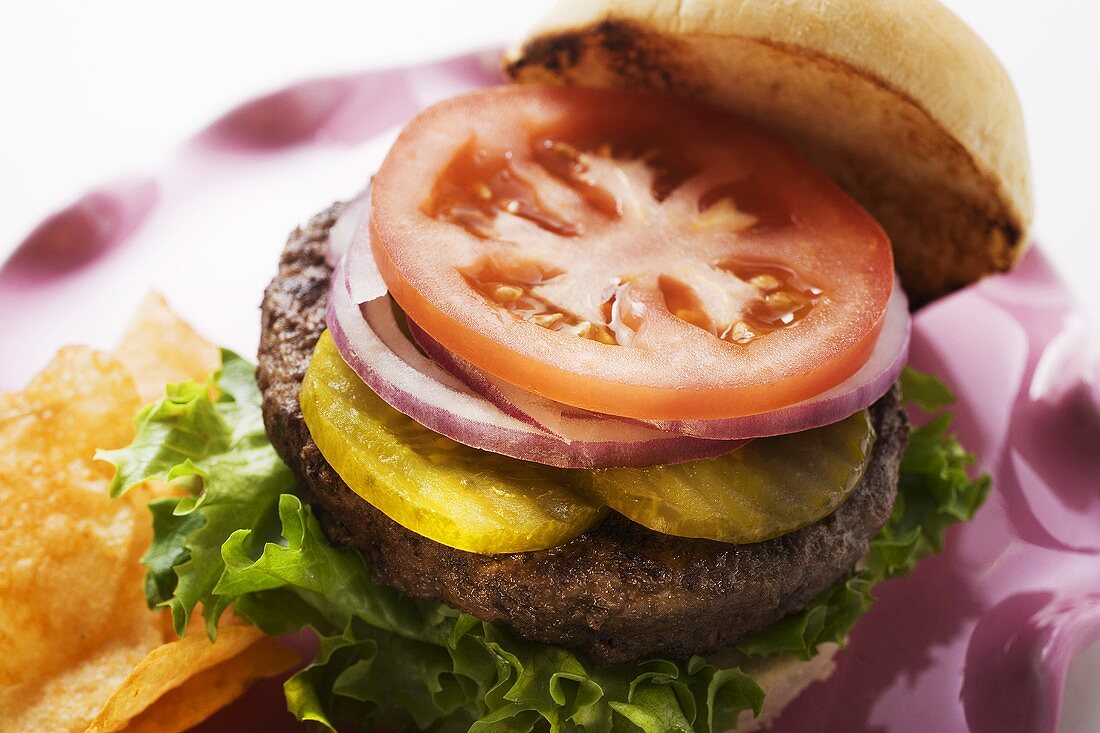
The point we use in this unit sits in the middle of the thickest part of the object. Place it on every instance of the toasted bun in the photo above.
(783, 678)
(897, 100)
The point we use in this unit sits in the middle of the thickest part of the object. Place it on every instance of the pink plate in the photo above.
(978, 639)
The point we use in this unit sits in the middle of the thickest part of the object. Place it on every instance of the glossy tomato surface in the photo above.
(628, 253)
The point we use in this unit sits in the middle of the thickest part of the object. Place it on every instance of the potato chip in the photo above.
(72, 611)
(160, 348)
(180, 684)
(75, 632)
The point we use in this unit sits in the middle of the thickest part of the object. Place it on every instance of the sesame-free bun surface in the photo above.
(783, 677)
(897, 100)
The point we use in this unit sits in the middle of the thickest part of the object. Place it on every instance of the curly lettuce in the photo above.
(239, 536)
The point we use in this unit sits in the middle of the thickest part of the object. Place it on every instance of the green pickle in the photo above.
(456, 495)
(487, 503)
(767, 488)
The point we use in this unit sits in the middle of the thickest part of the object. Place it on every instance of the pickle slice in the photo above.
(768, 488)
(456, 495)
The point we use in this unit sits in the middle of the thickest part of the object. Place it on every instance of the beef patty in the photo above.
(617, 593)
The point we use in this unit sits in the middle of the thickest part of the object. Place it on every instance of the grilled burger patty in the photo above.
(619, 592)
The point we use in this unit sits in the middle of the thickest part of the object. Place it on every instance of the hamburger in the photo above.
(586, 414)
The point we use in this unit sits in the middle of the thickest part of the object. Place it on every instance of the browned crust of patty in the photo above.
(617, 593)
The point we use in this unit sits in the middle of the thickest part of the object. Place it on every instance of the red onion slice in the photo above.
(344, 230)
(374, 346)
(859, 391)
(362, 278)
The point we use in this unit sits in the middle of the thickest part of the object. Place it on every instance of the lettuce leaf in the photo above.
(925, 391)
(218, 449)
(242, 537)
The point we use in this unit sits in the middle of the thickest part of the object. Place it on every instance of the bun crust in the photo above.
(783, 678)
(897, 100)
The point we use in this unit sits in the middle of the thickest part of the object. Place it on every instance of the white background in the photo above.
(93, 90)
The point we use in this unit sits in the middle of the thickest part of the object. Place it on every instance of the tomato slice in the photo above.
(627, 253)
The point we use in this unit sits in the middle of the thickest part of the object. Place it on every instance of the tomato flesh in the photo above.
(628, 253)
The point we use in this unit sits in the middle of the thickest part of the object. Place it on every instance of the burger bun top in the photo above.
(898, 101)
